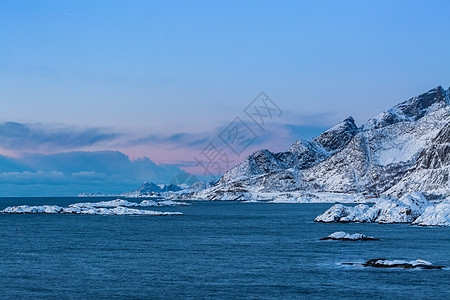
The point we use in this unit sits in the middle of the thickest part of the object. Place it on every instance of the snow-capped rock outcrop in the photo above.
(343, 236)
(25, 209)
(404, 149)
(411, 208)
(435, 215)
(338, 137)
(397, 263)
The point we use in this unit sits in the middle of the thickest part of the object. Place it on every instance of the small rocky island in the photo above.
(400, 264)
(343, 236)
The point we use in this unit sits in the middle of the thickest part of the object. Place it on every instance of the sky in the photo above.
(153, 84)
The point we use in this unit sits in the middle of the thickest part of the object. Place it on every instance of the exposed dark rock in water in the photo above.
(400, 264)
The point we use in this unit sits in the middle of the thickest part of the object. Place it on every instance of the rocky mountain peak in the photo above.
(411, 110)
(148, 188)
(302, 154)
(339, 136)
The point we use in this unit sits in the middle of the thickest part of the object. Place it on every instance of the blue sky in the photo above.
(160, 79)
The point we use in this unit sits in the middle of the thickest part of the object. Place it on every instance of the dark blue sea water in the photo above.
(215, 250)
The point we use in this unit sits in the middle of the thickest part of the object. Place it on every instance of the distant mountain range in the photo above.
(403, 149)
(150, 188)
(147, 189)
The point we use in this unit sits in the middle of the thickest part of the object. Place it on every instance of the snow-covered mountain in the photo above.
(403, 149)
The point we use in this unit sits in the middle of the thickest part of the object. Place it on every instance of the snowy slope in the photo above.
(431, 171)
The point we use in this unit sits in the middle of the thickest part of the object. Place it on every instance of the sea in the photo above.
(216, 250)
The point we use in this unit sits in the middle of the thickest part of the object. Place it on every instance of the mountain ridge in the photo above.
(372, 159)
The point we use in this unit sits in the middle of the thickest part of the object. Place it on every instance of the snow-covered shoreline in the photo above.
(113, 207)
(277, 197)
(412, 208)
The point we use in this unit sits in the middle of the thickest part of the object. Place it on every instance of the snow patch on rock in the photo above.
(400, 264)
(343, 236)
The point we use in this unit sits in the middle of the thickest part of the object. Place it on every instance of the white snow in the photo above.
(411, 208)
(391, 262)
(435, 215)
(282, 197)
(414, 263)
(168, 203)
(25, 209)
(420, 262)
(105, 204)
(339, 235)
(52, 209)
(114, 207)
(396, 263)
(341, 213)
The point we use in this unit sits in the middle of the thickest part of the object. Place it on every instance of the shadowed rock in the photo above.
(399, 264)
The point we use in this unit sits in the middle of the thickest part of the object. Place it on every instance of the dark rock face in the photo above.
(444, 136)
(264, 161)
(434, 157)
(437, 155)
(416, 107)
(306, 154)
(338, 137)
(171, 188)
(410, 110)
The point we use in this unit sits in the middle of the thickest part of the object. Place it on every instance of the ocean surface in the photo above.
(218, 250)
